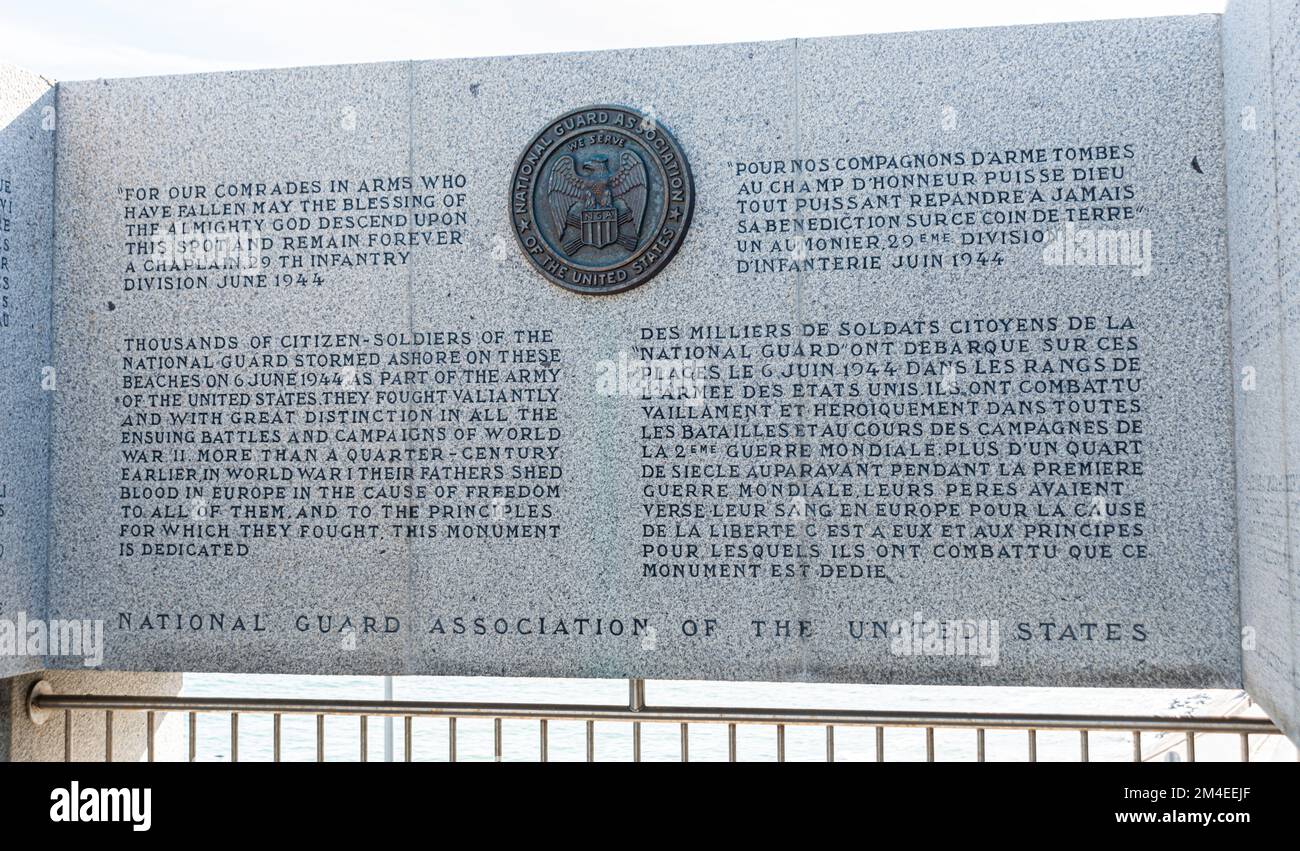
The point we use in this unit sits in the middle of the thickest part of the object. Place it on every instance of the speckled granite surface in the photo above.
(1261, 50)
(895, 364)
(26, 231)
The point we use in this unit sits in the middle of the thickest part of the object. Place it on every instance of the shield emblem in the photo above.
(599, 226)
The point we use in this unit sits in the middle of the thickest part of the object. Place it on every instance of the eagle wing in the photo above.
(564, 188)
(629, 183)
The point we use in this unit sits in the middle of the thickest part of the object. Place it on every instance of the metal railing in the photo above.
(44, 704)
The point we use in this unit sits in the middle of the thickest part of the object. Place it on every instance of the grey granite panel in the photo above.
(1286, 104)
(1111, 131)
(904, 404)
(27, 124)
(723, 103)
(249, 139)
(1255, 92)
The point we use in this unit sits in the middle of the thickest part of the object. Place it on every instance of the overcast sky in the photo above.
(82, 39)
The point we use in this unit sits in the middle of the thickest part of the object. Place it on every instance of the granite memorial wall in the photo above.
(1262, 129)
(899, 358)
(27, 125)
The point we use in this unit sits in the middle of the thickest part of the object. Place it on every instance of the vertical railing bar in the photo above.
(979, 744)
(880, 744)
(108, 736)
(1245, 747)
(194, 736)
(277, 722)
(1083, 746)
(1137, 745)
(780, 743)
(496, 739)
(731, 742)
(929, 744)
(365, 739)
(149, 734)
(234, 737)
(67, 735)
(686, 742)
(320, 737)
(544, 742)
(1191, 746)
(636, 702)
(451, 739)
(830, 742)
(408, 746)
(591, 741)
(1033, 745)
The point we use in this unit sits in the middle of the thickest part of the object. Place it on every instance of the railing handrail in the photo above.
(50, 702)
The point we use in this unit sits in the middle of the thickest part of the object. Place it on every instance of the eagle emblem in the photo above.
(594, 203)
(601, 199)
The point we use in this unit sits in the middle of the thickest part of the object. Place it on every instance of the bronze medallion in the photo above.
(601, 199)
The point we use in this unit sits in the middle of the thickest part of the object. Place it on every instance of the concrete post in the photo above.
(22, 740)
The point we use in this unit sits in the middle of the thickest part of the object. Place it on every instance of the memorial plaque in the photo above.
(837, 359)
(356, 429)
